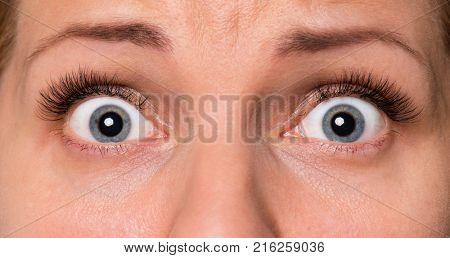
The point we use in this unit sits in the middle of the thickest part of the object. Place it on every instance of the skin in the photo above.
(397, 188)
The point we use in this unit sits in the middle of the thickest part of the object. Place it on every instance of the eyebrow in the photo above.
(305, 40)
(138, 33)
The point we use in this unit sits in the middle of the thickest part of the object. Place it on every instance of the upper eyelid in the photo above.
(62, 94)
(381, 92)
(53, 102)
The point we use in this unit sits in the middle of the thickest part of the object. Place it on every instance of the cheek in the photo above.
(60, 196)
(119, 208)
(384, 198)
(425, 184)
(134, 216)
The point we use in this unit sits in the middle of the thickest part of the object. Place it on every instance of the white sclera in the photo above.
(79, 120)
(311, 126)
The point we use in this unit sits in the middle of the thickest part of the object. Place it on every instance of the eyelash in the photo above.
(56, 101)
(379, 91)
(61, 95)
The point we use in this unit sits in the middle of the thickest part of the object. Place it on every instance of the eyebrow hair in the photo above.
(304, 40)
(138, 33)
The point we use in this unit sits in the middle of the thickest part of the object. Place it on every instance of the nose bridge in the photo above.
(219, 200)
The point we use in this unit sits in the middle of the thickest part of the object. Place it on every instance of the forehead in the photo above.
(231, 31)
(231, 24)
(230, 18)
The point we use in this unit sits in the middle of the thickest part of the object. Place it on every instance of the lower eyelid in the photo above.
(95, 150)
(336, 150)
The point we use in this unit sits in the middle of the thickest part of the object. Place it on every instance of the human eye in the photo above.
(343, 119)
(352, 110)
(108, 120)
(98, 114)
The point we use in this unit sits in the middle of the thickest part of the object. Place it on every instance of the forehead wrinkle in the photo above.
(247, 13)
(222, 21)
(319, 5)
(194, 15)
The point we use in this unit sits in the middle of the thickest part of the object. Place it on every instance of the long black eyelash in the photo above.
(381, 92)
(63, 93)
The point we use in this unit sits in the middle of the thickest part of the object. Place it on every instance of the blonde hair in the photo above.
(446, 23)
(7, 31)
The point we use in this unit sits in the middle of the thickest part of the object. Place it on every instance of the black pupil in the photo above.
(343, 124)
(110, 124)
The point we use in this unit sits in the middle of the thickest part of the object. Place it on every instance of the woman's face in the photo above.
(225, 119)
